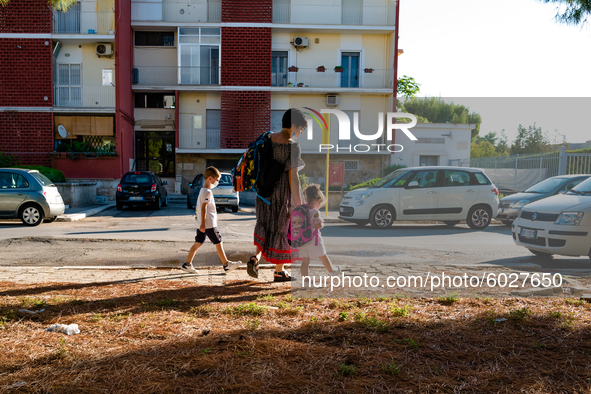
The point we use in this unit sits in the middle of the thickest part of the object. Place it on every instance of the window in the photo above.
(481, 179)
(425, 178)
(350, 74)
(430, 140)
(456, 178)
(428, 160)
(10, 180)
(69, 86)
(279, 68)
(571, 184)
(154, 39)
(199, 55)
(351, 165)
(154, 100)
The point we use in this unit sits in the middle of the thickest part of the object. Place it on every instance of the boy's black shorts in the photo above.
(212, 233)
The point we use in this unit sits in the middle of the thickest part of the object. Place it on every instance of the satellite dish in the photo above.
(62, 131)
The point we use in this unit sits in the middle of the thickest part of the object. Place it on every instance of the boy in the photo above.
(206, 216)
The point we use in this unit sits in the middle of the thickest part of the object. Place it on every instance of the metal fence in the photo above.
(516, 173)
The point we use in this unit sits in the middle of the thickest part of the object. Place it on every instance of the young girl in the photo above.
(312, 249)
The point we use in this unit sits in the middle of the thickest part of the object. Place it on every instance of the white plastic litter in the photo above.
(70, 329)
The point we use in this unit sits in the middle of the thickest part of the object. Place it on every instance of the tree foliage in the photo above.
(571, 12)
(407, 86)
(436, 110)
(530, 140)
(60, 5)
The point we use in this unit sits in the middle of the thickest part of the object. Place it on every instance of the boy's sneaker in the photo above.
(336, 270)
(189, 268)
(231, 265)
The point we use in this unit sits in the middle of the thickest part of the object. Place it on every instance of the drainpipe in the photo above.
(395, 84)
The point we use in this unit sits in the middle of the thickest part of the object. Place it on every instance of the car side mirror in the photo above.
(164, 183)
(413, 184)
(562, 191)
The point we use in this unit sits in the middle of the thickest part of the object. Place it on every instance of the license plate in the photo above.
(221, 200)
(501, 210)
(136, 199)
(527, 233)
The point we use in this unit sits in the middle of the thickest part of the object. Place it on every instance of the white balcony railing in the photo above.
(312, 14)
(84, 96)
(81, 22)
(172, 76)
(177, 11)
(311, 78)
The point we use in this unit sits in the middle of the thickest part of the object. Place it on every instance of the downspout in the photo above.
(395, 84)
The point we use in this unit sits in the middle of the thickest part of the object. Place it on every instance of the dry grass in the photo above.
(166, 336)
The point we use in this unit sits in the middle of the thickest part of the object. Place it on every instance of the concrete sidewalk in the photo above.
(74, 214)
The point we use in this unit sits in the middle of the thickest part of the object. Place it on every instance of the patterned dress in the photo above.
(272, 226)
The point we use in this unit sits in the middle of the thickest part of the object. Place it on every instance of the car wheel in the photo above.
(507, 223)
(31, 215)
(382, 216)
(479, 218)
(189, 205)
(50, 220)
(451, 223)
(235, 209)
(156, 203)
(543, 255)
(119, 206)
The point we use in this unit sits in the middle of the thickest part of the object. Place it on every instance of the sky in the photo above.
(508, 60)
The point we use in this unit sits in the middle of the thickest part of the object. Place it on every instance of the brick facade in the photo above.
(246, 56)
(245, 115)
(247, 11)
(26, 72)
(25, 16)
(29, 135)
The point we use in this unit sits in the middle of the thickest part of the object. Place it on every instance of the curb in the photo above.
(73, 217)
(128, 267)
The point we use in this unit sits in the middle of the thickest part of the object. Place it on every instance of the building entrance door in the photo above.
(154, 151)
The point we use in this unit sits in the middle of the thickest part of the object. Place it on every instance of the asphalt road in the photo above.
(142, 237)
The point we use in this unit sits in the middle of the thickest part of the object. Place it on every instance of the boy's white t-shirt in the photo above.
(211, 216)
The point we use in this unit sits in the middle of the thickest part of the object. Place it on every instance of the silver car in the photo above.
(510, 206)
(29, 196)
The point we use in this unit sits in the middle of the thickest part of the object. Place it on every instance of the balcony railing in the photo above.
(84, 96)
(176, 11)
(80, 22)
(312, 14)
(172, 76)
(311, 78)
(199, 139)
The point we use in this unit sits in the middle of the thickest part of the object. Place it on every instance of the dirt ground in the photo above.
(252, 337)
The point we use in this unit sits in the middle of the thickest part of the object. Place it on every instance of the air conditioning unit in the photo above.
(332, 99)
(300, 41)
(104, 49)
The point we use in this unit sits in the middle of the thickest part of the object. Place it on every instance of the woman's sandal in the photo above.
(282, 277)
(253, 268)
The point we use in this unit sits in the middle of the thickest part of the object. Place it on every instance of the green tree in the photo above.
(407, 86)
(530, 140)
(571, 12)
(482, 148)
(61, 5)
(436, 110)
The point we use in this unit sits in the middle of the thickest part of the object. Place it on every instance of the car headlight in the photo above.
(570, 218)
(519, 204)
(363, 195)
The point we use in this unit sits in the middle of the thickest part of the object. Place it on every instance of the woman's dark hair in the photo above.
(293, 116)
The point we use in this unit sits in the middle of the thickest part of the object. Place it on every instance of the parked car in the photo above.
(447, 194)
(29, 196)
(557, 225)
(224, 194)
(141, 188)
(510, 206)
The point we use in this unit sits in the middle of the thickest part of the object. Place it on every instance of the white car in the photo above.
(447, 194)
(558, 224)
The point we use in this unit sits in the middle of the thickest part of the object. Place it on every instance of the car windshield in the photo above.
(582, 188)
(43, 180)
(225, 180)
(390, 178)
(137, 178)
(546, 186)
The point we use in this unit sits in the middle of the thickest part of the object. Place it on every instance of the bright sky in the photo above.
(501, 49)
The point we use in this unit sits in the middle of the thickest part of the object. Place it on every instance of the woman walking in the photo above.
(272, 220)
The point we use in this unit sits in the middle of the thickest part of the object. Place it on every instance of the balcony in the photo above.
(336, 14)
(310, 78)
(80, 22)
(176, 11)
(175, 76)
(199, 139)
(84, 96)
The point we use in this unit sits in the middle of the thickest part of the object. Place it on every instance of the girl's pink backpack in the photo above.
(301, 230)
